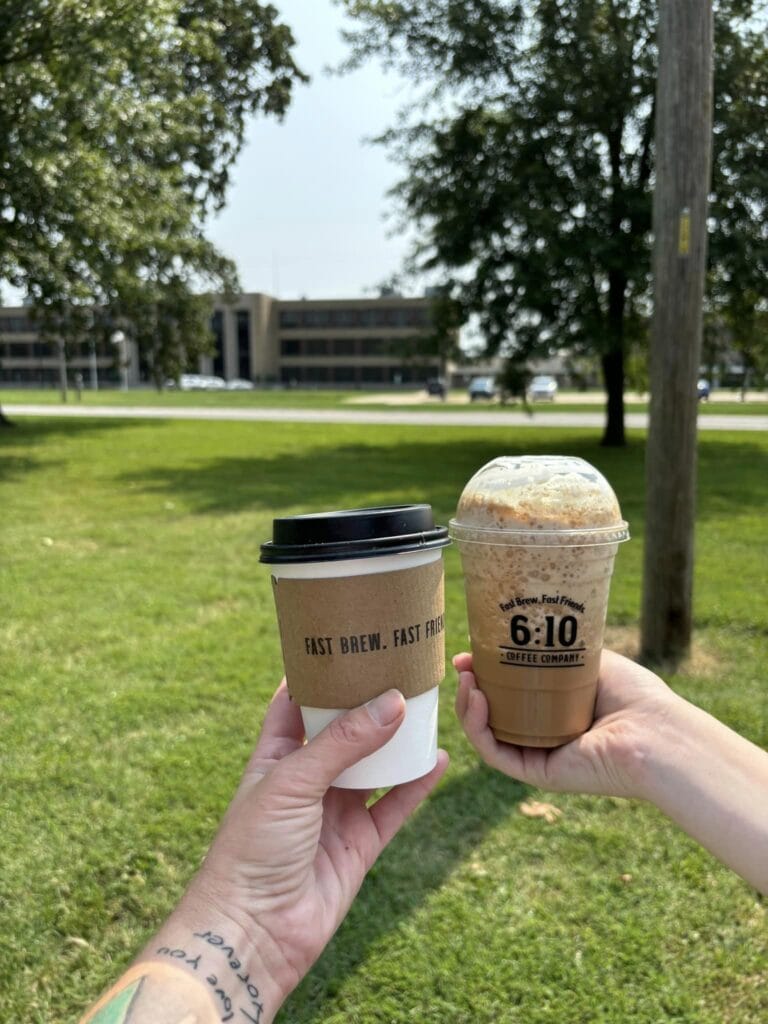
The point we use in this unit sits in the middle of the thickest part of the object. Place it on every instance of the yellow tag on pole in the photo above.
(684, 232)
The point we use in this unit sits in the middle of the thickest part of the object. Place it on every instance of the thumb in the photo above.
(345, 741)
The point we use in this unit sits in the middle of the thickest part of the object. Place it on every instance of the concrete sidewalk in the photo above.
(637, 420)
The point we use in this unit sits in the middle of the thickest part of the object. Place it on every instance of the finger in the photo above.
(282, 730)
(391, 812)
(466, 684)
(504, 757)
(462, 662)
(309, 772)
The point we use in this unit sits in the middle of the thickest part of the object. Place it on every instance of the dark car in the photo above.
(436, 386)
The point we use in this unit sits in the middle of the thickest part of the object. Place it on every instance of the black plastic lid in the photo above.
(353, 533)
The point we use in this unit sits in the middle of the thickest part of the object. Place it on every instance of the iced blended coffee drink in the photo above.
(538, 536)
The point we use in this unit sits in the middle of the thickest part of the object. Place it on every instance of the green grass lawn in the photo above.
(338, 399)
(138, 650)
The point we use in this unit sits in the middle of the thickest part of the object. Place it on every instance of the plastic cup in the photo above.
(359, 596)
(538, 536)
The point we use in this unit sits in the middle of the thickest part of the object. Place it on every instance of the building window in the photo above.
(344, 374)
(316, 374)
(244, 344)
(372, 374)
(344, 346)
(290, 347)
(375, 316)
(217, 329)
(345, 317)
(316, 347)
(16, 325)
(316, 318)
(373, 347)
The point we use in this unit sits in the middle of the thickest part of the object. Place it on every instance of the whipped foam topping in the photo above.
(538, 493)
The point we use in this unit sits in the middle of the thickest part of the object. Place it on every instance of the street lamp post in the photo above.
(62, 368)
(94, 366)
(119, 338)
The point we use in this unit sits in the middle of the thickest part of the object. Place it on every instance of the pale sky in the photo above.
(306, 210)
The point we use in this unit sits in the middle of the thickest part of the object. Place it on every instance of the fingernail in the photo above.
(386, 707)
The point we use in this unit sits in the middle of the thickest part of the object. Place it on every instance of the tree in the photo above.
(118, 126)
(738, 290)
(529, 162)
(683, 156)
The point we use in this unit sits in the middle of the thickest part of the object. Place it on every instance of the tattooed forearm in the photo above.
(154, 993)
(206, 983)
(229, 980)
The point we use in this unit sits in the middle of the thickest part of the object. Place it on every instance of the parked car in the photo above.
(240, 384)
(482, 388)
(192, 382)
(702, 390)
(201, 382)
(542, 389)
(436, 386)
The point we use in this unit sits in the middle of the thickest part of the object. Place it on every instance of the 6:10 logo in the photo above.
(567, 629)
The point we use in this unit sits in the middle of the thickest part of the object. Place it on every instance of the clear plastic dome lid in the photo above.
(538, 499)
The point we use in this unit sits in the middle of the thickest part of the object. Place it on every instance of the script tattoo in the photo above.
(244, 998)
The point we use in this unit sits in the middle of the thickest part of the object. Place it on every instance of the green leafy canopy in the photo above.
(119, 123)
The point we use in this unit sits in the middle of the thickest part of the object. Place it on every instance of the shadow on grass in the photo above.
(417, 862)
(406, 466)
(326, 476)
(33, 433)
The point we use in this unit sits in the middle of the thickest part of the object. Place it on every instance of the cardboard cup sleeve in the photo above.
(347, 639)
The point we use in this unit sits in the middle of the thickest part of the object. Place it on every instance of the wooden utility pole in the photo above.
(683, 168)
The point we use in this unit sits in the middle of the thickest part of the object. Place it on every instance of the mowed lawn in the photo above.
(138, 650)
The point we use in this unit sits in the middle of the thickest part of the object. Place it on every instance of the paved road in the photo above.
(712, 421)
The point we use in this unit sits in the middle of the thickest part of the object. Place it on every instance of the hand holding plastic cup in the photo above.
(361, 609)
(538, 536)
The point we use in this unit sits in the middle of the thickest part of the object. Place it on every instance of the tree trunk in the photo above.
(613, 362)
(613, 376)
(683, 163)
(745, 381)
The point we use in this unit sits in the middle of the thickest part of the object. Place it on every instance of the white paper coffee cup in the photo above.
(362, 624)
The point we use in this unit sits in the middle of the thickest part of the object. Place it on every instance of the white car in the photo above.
(201, 382)
(482, 387)
(239, 384)
(542, 389)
